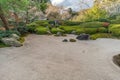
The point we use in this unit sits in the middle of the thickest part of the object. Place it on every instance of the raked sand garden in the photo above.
(44, 57)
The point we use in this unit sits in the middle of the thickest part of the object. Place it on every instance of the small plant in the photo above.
(72, 40)
(21, 40)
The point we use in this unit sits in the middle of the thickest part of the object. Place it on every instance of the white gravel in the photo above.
(48, 58)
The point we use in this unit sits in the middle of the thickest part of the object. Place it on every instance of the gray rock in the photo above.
(83, 36)
(59, 34)
(73, 32)
(15, 36)
(49, 33)
(11, 42)
(65, 40)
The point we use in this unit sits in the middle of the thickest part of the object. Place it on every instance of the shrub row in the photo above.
(115, 29)
(100, 35)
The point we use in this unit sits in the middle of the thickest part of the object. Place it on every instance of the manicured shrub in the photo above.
(80, 31)
(100, 35)
(42, 23)
(115, 29)
(22, 30)
(69, 29)
(86, 30)
(69, 23)
(55, 30)
(90, 30)
(41, 30)
(104, 20)
(8, 33)
(32, 27)
(115, 21)
(102, 30)
(92, 24)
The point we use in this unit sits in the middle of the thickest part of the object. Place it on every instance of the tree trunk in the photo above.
(2, 17)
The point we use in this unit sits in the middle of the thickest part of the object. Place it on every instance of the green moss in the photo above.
(55, 30)
(100, 35)
(41, 30)
(21, 40)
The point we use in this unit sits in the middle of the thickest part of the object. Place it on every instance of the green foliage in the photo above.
(32, 27)
(102, 30)
(100, 35)
(3, 45)
(42, 23)
(91, 30)
(41, 30)
(21, 40)
(69, 29)
(80, 31)
(22, 30)
(55, 30)
(8, 33)
(115, 29)
(103, 20)
(92, 24)
(115, 21)
(69, 23)
(95, 13)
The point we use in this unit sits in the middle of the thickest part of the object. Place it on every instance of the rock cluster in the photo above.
(12, 40)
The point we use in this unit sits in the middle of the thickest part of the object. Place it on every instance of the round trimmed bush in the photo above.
(100, 35)
(55, 30)
(115, 29)
(102, 30)
(41, 30)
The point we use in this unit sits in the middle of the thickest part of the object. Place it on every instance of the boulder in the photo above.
(83, 37)
(49, 33)
(65, 40)
(11, 42)
(15, 36)
(73, 32)
(59, 34)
